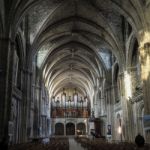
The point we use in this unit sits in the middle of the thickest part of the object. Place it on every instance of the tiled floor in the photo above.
(73, 145)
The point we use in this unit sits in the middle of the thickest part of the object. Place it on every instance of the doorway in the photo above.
(70, 129)
(59, 129)
(81, 129)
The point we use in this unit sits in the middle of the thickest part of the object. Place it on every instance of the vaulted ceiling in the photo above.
(77, 41)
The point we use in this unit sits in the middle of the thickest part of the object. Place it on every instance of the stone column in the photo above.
(124, 106)
(29, 102)
(37, 116)
(110, 110)
(127, 107)
(25, 118)
(96, 103)
(65, 128)
(86, 126)
(6, 61)
(131, 126)
(75, 128)
(121, 85)
(145, 76)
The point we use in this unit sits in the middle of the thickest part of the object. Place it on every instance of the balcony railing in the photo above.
(70, 113)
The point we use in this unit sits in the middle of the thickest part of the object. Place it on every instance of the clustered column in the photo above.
(145, 76)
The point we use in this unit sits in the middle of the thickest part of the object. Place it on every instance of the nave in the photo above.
(74, 68)
(78, 143)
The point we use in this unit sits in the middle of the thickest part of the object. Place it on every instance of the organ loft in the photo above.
(74, 71)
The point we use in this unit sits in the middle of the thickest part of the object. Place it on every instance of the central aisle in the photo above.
(73, 145)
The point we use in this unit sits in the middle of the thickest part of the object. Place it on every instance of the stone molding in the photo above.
(17, 93)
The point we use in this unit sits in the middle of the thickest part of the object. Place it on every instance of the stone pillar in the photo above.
(121, 85)
(65, 129)
(96, 103)
(110, 110)
(86, 126)
(75, 128)
(124, 106)
(131, 126)
(37, 127)
(25, 118)
(103, 101)
(29, 103)
(6, 61)
(145, 76)
(127, 107)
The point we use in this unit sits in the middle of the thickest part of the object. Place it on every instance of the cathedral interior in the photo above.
(74, 68)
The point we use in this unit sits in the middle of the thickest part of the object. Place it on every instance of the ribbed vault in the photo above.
(74, 42)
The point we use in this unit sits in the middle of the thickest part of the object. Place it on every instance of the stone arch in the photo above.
(81, 128)
(70, 128)
(59, 129)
